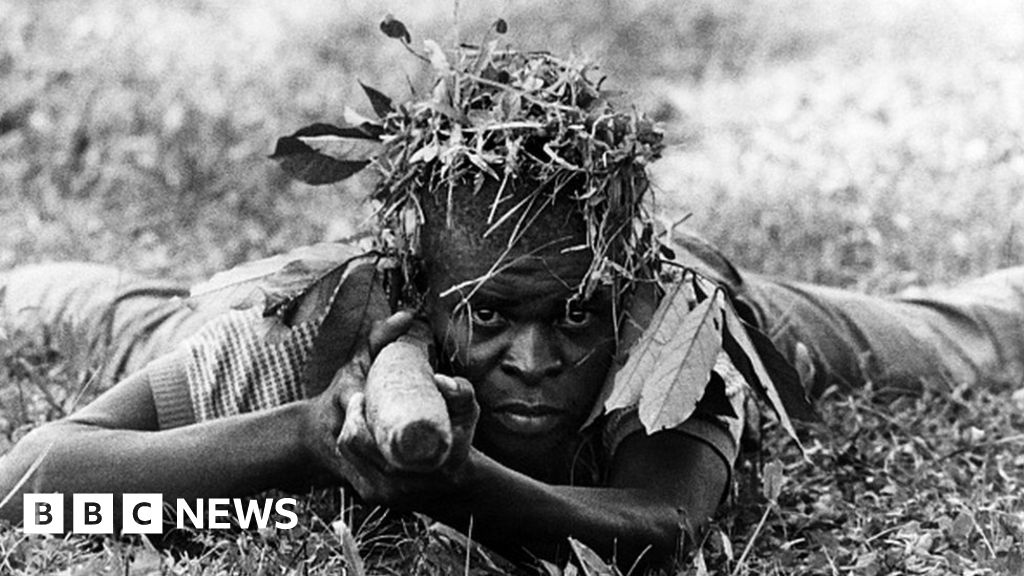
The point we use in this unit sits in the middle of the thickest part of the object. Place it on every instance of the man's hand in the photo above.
(380, 483)
(328, 409)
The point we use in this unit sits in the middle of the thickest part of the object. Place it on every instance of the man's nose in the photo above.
(532, 355)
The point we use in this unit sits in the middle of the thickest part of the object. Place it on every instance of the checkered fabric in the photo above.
(233, 368)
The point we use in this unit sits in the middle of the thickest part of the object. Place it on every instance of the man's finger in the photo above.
(355, 432)
(350, 378)
(458, 396)
(464, 412)
(356, 438)
(388, 330)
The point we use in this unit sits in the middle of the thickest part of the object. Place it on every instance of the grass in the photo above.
(925, 485)
(868, 145)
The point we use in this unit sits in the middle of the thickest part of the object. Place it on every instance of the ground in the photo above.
(871, 145)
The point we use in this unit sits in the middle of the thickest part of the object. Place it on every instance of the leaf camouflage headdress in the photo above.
(523, 119)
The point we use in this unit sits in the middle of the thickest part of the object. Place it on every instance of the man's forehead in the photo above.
(518, 278)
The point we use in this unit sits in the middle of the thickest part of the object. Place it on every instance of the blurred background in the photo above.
(870, 144)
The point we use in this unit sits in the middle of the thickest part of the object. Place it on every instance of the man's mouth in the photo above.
(527, 419)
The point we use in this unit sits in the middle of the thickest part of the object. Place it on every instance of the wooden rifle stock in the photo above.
(405, 411)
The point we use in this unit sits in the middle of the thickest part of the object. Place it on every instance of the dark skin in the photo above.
(526, 368)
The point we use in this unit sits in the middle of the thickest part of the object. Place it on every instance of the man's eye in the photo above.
(577, 317)
(486, 317)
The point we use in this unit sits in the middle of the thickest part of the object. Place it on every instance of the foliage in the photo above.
(530, 120)
(696, 329)
(913, 485)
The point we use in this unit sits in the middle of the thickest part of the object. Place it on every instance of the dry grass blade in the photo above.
(349, 547)
(590, 561)
(742, 562)
(469, 546)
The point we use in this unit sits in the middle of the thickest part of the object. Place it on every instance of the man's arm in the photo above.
(113, 445)
(660, 487)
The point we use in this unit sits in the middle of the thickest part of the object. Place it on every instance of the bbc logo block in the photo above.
(93, 514)
(144, 513)
(44, 513)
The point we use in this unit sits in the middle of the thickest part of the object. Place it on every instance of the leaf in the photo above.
(962, 527)
(747, 358)
(356, 301)
(381, 103)
(349, 548)
(307, 304)
(700, 565)
(483, 60)
(331, 285)
(324, 154)
(393, 28)
(726, 546)
(676, 374)
(343, 149)
(773, 480)
(625, 389)
(643, 305)
(590, 562)
(438, 59)
(549, 568)
(274, 279)
(786, 381)
(482, 165)
(359, 126)
(781, 386)
(695, 253)
(784, 384)
(273, 330)
(426, 153)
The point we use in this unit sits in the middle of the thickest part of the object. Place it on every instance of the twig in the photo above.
(998, 442)
(984, 538)
(750, 543)
(831, 562)
(469, 544)
(885, 532)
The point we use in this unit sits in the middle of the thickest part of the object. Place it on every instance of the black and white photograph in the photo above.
(511, 287)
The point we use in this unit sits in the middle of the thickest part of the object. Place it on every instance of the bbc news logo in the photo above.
(143, 513)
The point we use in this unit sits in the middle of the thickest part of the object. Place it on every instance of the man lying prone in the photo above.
(514, 211)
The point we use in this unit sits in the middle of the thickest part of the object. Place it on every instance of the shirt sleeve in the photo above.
(228, 367)
(231, 366)
(242, 362)
(168, 382)
(234, 366)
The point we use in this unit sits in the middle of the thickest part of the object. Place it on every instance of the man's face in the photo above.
(536, 358)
